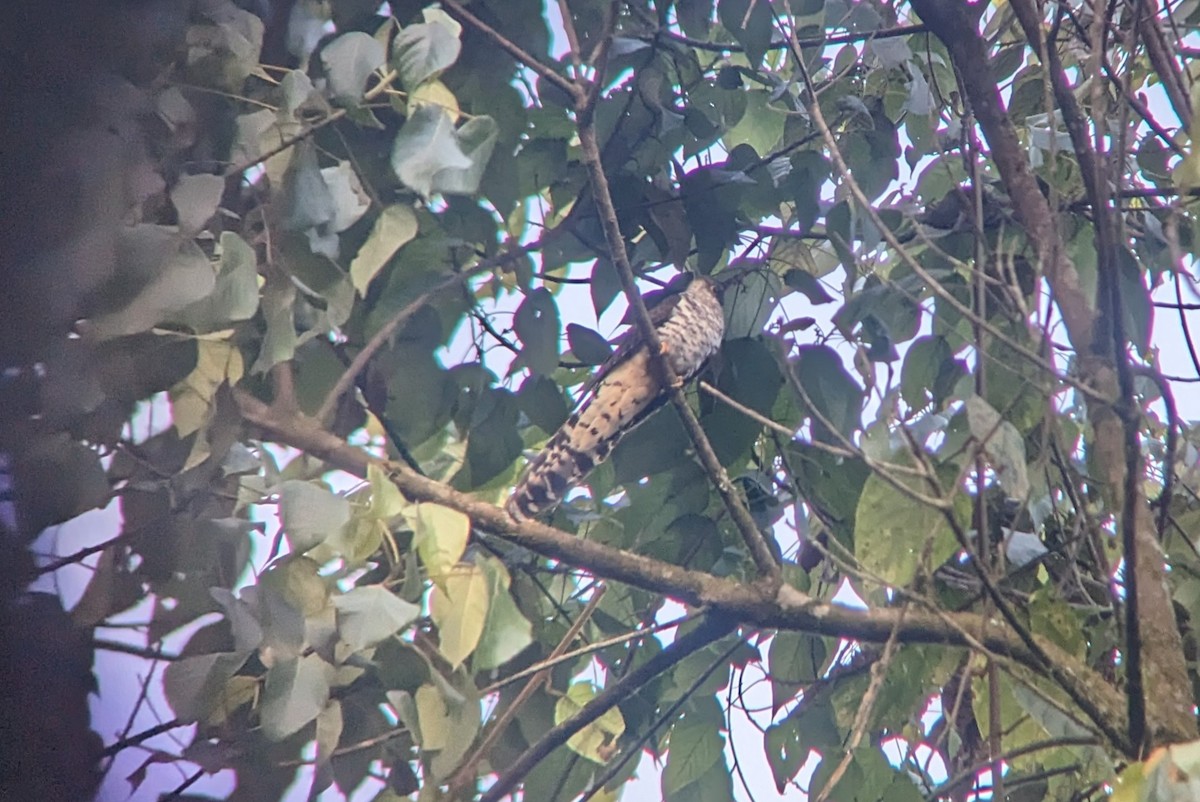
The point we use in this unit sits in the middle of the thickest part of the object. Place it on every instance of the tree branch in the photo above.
(1112, 450)
(764, 559)
(785, 608)
(711, 629)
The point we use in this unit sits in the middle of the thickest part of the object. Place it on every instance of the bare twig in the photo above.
(712, 628)
(785, 609)
(764, 559)
(466, 770)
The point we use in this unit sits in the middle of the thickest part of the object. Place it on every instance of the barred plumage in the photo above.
(624, 392)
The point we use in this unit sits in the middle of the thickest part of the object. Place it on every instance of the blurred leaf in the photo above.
(807, 284)
(542, 401)
(54, 480)
(234, 297)
(370, 613)
(476, 139)
(349, 60)
(395, 226)
(507, 632)
(893, 530)
(536, 323)
(751, 25)
(195, 198)
(424, 50)
(1003, 445)
(218, 362)
(193, 685)
(831, 391)
(441, 538)
(294, 693)
(694, 749)
(596, 741)
(796, 659)
(459, 607)
(310, 513)
(349, 198)
(426, 146)
(587, 345)
(176, 273)
(305, 199)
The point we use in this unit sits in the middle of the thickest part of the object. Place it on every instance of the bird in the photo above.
(690, 322)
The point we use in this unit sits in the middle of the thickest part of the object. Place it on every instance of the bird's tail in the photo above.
(620, 402)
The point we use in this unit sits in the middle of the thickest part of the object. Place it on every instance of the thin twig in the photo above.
(466, 771)
(709, 630)
(141, 737)
(764, 559)
(385, 332)
(457, 10)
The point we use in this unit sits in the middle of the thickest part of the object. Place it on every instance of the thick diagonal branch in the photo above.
(1161, 645)
(786, 608)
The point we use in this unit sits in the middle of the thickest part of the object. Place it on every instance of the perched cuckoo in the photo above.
(690, 323)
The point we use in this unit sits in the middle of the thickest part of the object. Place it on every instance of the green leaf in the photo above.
(807, 284)
(750, 301)
(395, 226)
(305, 200)
(349, 197)
(294, 693)
(446, 726)
(223, 48)
(507, 632)
(280, 340)
(830, 390)
(536, 323)
(441, 537)
(55, 479)
(370, 613)
(175, 273)
(761, 126)
(605, 285)
(750, 376)
(459, 606)
(234, 297)
(193, 685)
(1003, 444)
(424, 50)
(310, 513)
(349, 60)
(330, 724)
(751, 25)
(195, 198)
(930, 372)
(476, 140)
(892, 530)
(425, 146)
(695, 747)
(796, 659)
(587, 345)
(542, 401)
(596, 740)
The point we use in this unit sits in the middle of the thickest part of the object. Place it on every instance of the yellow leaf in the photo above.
(386, 499)
(395, 226)
(441, 538)
(238, 691)
(435, 93)
(433, 717)
(459, 606)
(596, 740)
(191, 399)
